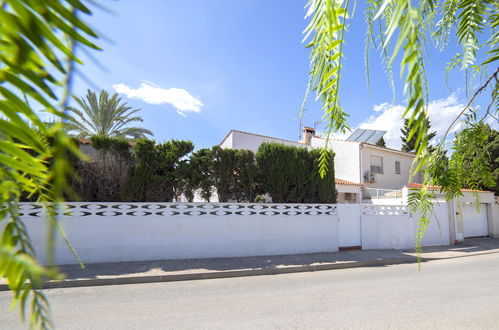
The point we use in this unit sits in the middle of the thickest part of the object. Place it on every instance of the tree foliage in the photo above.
(409, 144)
(289, 174)
(400, 29)
(249, 185)
(474, 150)
(154, 176)
(231, 173)
(381, 142)
(37, 47)
(118, 172)
(201, 173)
(234, 174)
(105, 116)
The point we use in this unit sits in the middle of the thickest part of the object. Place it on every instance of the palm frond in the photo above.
(104, 115)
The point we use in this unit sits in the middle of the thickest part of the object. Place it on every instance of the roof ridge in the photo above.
(260, 135)
(346, 182)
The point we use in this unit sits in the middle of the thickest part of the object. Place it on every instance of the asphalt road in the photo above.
(447, 294)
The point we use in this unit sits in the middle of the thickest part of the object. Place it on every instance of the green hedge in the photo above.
(290, 174)
(152, 172)
(155, 176)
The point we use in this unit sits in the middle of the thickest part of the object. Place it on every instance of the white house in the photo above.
(363, 170)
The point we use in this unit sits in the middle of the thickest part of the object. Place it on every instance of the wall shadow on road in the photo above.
(164, 267)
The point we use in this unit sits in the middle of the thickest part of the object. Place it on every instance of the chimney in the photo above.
(307, 135)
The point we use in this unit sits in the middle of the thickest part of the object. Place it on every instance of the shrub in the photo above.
(290, 174)
(234, 174)
(248, 177)
(155, 175)
(104, 175)
(152, 172)
(201, 173)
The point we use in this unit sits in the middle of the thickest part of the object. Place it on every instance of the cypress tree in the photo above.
(291, 174)
(409, 145)
(381, 142)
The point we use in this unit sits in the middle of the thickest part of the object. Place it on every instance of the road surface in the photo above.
(448, 294)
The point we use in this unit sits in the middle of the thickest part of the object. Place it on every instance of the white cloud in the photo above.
(179, 98)
(388, 117)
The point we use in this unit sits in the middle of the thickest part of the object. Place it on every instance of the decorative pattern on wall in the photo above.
(384, 210)
(181, 209)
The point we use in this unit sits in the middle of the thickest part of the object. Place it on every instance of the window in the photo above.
(376, 164)
(397, 167)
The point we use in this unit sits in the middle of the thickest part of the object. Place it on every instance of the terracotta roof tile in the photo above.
(84, 141)
(419, 186)
(341, 181)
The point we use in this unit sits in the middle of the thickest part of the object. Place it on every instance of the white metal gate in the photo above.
(349, 225)
(475, 223)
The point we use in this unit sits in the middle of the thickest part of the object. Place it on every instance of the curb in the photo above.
(214, 275)
(72, 283)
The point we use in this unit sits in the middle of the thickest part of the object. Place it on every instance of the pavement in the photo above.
(460, 293)
(196, 269)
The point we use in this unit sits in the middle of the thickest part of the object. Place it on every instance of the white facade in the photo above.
(354, 161)
(249, 141)
(389, 179)
(346, 158)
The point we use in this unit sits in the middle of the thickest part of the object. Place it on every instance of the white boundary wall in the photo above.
(117, 232)
(113, 232)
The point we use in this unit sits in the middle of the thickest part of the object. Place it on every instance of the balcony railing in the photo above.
(375, 193)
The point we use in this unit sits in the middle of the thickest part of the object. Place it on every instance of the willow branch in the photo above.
(481, 89)
(67, 83)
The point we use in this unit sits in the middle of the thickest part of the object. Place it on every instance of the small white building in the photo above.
(348, 192)
(363, 169)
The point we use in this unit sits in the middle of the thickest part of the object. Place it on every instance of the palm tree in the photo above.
(106, 116)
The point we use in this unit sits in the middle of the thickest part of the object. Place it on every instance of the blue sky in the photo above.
(238, 65)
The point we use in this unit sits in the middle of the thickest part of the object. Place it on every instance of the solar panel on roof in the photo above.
(366, 135)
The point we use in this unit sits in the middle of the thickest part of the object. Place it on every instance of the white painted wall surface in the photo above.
(348, 188)
(247, 141)
(483, 196)
(346, 160)
(114, 238)
(437, 231)
(386, 227)
(475, 220)
(392, 227)
(384, 201)
(228, 141)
